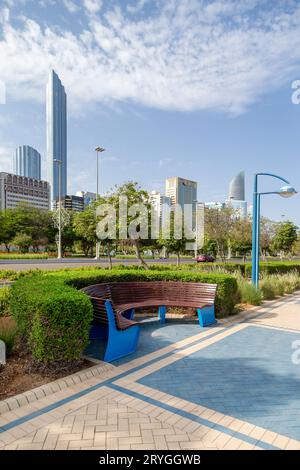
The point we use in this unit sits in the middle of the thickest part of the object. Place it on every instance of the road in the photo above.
(49, 264)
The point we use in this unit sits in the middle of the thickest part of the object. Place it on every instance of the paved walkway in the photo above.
(232, 386)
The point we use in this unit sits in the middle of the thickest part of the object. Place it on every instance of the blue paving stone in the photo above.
(153, 336)
(248, 375)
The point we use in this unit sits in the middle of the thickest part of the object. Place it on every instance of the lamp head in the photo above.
(287, 191)
(99, 149)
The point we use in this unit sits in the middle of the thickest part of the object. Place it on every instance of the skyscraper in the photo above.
(182, 191)
(27, 162)
(236, 197)
(56, 135)
(237, 187)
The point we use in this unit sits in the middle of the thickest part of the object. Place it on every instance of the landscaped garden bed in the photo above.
(47, 318)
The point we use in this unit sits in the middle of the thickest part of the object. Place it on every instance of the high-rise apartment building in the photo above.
(27, 162)
(182, 192)
(74, 203)
(56, 135)
(16, 189)
(161, 205)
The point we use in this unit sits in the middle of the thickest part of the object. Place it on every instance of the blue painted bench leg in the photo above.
(206, 316)
(129, 314)
(162, 314)
(120, 343)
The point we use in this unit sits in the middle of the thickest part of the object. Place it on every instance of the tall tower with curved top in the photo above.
(237, 187)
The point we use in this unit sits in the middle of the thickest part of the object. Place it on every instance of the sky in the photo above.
(195, 88)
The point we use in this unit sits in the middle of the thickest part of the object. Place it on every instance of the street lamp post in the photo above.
(98, 150)
(285, 191)
(59, 250)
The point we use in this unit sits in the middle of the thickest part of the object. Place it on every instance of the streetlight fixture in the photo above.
(59, 250)
(98, 150)
(285, 191)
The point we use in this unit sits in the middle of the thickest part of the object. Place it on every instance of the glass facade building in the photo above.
(27, 162)
(56, 135)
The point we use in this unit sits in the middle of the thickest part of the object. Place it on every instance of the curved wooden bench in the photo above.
(114, 305)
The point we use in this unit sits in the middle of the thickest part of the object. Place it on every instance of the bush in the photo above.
(291, 282)
(23, 256)
(8, 334)
(4, 301)
(278, 285)
(53, 318)
(267, 287)
(248, 293)
(275, 267)
(227, 292)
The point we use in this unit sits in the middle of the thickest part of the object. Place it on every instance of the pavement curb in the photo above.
(30, 396)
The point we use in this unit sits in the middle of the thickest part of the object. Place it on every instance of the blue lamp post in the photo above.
(285, 191)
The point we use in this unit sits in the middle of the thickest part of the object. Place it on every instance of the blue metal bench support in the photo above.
(162, 310)
(206, 316)
(120, 342)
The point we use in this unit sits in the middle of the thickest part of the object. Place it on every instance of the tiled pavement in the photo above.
(232, 386)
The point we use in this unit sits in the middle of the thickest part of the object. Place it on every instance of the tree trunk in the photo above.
(138, 254)
(178, 259)
(109, 255)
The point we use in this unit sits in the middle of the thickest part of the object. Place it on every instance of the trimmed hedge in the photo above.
(274, 267)
(52, 317)
(227, 293)
(4, 301)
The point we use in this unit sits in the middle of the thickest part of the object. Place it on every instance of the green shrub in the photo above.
(53, 318)
(8, 334)
(267, 287)
(23, 256)
(4, 301)
(275, 267)
(227, 292)
(291, 282)
(248, 293)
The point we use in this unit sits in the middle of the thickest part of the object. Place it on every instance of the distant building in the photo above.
(15, 189)
(88, 197)
(161, 205)
(56, 135)
(182, 191)
(74, 203)
(214, 205)
(236, 196)
(237, 187)
(27, 162)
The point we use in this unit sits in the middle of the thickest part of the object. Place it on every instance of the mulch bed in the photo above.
(15, 376)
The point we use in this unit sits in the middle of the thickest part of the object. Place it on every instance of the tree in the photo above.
(218, 226)
(172, 243)
(267, 234)
(8, 228)
(285, 237)
(34, 222)
(23, 242)
(138, 216)
(241, 237)
(210, 247)
(84, 224)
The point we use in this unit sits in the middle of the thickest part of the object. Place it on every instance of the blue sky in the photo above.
(199, 89)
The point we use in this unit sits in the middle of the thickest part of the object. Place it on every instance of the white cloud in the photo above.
(71, 6)
(92, 6)
(187, 55)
